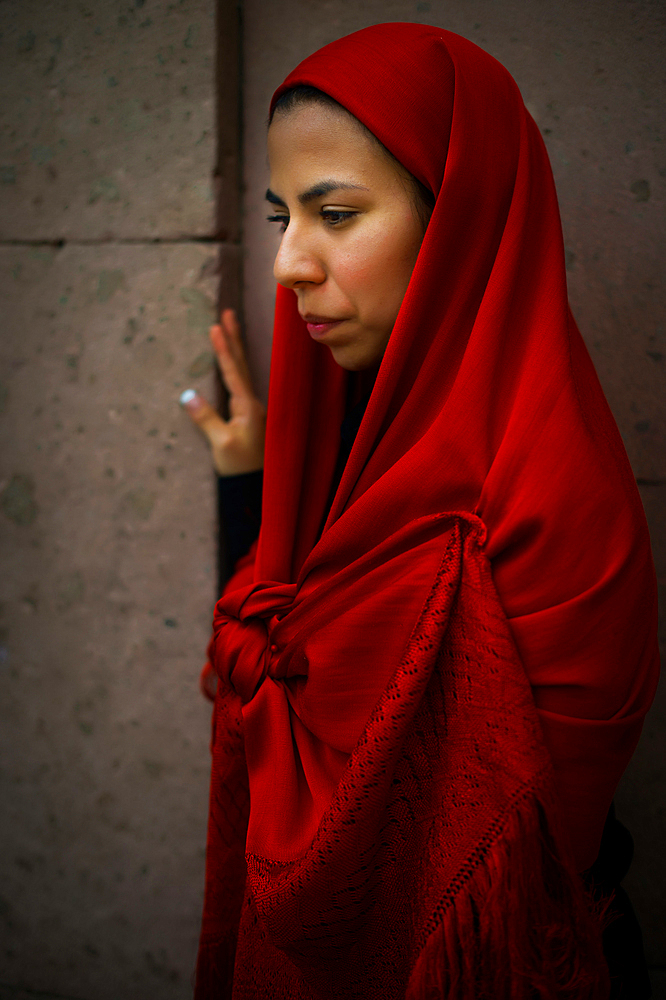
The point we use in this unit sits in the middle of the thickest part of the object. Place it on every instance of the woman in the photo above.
(434, 664)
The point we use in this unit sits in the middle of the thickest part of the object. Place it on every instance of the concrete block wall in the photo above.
(592, 76)
(112, 253)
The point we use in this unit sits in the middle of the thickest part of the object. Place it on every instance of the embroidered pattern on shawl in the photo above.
(388, 901)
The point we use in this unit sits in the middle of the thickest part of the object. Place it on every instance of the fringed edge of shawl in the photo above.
(521, 925)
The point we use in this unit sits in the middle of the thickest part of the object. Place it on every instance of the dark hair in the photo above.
(303, 94)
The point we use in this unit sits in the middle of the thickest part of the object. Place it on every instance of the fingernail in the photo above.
(188, 396)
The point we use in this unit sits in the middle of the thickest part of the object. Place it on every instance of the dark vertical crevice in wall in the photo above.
(228, 116)
(228, 187)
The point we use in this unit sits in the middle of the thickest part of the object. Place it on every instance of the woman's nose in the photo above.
(297, 261)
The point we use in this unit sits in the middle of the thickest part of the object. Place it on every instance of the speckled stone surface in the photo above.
(108, 533)
(112, 151)
(107, 117)
(16, 993)
(592, 76)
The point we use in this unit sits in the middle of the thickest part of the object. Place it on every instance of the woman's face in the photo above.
(351, 230)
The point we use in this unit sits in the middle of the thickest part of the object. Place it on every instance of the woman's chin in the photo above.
(356, 357)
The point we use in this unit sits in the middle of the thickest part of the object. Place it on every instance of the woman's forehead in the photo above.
(315, 144)
(318, 125)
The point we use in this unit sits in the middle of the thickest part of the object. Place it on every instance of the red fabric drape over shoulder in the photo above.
(470, 645)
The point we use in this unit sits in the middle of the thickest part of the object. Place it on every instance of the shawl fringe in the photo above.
(523, 927)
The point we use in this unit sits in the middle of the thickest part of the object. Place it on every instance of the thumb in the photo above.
(202, 413)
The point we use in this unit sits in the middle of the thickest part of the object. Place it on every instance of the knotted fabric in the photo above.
(424, 711)
(239, 627)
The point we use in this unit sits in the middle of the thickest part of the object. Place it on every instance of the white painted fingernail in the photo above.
(187, 396)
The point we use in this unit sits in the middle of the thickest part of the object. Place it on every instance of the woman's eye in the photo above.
(282, 219)
(333, 217)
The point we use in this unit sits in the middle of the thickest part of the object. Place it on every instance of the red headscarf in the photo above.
(487, 484)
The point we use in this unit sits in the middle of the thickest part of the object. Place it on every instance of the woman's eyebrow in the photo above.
(316, 191)
(274, 199)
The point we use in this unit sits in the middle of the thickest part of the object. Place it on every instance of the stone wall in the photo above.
(113, 155)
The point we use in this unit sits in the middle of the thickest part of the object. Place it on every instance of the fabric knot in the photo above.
(242, 655)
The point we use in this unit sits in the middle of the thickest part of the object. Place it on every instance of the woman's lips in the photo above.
(318, 326)
(318, 330)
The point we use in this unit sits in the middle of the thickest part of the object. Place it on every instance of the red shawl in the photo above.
(422, 716)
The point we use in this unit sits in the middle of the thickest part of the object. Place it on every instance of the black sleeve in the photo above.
(239, 508)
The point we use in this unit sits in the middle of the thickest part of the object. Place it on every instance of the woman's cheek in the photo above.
(356, 276)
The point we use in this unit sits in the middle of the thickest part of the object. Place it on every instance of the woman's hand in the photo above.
(237, 444)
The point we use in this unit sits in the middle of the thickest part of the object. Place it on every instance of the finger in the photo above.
(203, 415)
(229, 318)
(231, 328)
(232, 376)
